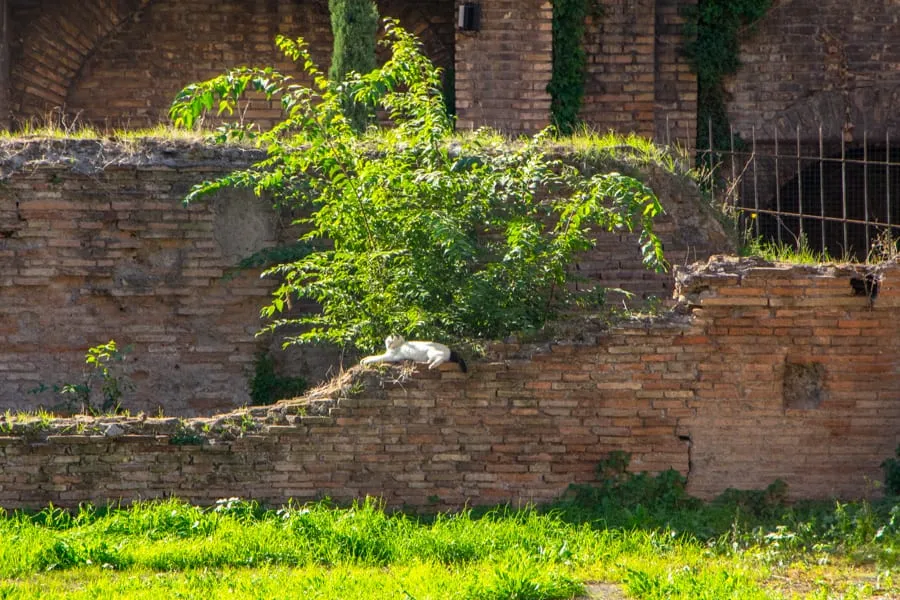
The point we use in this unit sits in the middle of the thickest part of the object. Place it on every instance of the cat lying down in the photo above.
(398, 349)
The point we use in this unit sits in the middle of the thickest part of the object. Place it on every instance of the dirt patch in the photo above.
(604, 591)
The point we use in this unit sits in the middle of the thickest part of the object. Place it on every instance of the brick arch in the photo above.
(128, 77)
(131, 79)
(56, 44)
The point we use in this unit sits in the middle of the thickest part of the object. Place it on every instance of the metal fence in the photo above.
(839, 196)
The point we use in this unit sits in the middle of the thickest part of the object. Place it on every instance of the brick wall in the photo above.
(637, 80)
(95, 244)
(121, 64)
(764, 372)
(676, 85)
(49, 47)
(502, 71)
(102, 248)
(131, 78)
(621, 83)
(819, 62)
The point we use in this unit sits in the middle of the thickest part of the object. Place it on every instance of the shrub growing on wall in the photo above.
(414, 231)
(354, 24)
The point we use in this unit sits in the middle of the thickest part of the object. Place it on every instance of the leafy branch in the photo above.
(412, 230)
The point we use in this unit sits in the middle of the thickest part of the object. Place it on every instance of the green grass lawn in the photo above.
(640, 532)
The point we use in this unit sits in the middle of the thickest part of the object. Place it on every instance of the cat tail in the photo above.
(454, 357)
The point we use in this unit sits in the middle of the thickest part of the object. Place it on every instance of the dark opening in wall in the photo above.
(803, 386)
(861, 187)
(865, 286)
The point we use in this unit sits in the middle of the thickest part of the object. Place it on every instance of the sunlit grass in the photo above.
(798, 253)
(587, 143)
(653, 547)
(86, 131)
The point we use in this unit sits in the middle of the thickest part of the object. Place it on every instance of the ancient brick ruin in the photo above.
(96, 244)
(119, 64)
(762, 372)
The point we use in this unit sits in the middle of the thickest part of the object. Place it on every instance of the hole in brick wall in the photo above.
(803, 386)
(865, 286)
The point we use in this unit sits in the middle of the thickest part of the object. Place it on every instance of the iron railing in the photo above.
(837, 196)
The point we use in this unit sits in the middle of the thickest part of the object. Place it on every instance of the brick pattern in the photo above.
(132, 78)
(90, 255)
(47, 56)
(120, 64)
(675, 109)
(761, 321)
(502, 71)
(637, 79)
(102, 248)
(620, 88)
(819, 62)
(701, 393)
(688, 229)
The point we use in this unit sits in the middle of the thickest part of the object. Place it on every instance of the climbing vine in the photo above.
(566, 85)
(713, 30)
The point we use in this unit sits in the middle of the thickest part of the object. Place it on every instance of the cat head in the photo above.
(394, 341)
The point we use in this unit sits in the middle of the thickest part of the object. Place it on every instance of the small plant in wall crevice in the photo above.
(267, 386)
(104, 383)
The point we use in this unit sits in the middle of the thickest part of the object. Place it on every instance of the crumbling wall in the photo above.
(798, 379)
(95, 244)
(707, 389)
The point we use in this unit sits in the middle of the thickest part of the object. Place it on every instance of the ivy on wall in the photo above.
(566, 85)
(714, 29)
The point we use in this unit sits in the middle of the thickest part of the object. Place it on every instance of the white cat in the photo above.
(398, 349)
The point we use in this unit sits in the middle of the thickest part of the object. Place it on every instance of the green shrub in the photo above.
(267, 387)
(104, 364)
(413, 231)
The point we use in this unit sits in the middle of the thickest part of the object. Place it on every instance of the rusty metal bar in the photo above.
(887, 178)
(799, 188)
(777, 188)
(844, 191)
(755, 179)
(5, 91)
(822, 186)
(733, 169)
(866, 186)
(765, 211)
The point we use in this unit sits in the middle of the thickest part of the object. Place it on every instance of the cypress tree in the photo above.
(354, 24)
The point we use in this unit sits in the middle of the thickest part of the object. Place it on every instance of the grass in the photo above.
(800, 253)
(584, 143)
(640, 532)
